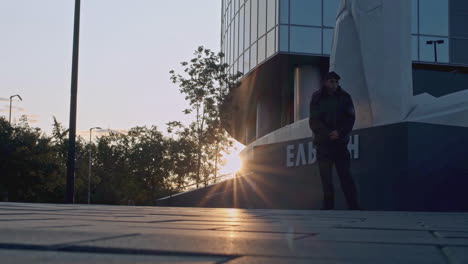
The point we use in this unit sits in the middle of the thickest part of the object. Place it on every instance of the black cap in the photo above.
(332, 75)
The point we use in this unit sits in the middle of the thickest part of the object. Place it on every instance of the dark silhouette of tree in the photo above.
(137, 167)
(206, 84)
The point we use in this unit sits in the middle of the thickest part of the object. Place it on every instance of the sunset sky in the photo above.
(127, 49)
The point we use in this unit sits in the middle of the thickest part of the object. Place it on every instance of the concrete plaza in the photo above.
(49, 233)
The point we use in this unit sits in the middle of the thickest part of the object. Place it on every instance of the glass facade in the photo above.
(248, 32)
(430, 31)
(306, 26)
(458, 31)
(255, 30)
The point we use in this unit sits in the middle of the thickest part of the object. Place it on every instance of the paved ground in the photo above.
(44, 233)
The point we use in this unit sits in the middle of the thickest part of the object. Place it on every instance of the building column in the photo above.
(306, 82)
(268, 114)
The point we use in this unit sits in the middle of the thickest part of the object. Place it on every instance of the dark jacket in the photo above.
(329, 113)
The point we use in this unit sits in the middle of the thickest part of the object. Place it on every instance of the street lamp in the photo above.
(11, 100)
(70, 191)
(90, 162)
(435, 42)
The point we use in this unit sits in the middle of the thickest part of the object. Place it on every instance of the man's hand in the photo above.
(334, 135)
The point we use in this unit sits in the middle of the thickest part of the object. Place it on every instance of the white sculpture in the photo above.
(372, 53)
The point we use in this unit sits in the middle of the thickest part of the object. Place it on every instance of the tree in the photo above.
(206, 84)
(28, 169)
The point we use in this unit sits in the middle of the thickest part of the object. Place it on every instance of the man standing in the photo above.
(331, 119)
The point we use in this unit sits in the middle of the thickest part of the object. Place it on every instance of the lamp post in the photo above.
(11, 102)
(435, 42)
(70, 191)
(90, 162)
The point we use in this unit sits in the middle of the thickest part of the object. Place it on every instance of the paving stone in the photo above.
(458, 255)
(232, 245)
(335, 260)
(452, 234)
(130, 234)
(20, 256)
(47, 237)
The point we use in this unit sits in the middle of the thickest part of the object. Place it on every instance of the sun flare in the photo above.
(233, 161)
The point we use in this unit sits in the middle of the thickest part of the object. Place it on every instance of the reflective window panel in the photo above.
(241, 30)
(414, 48)
(271, 14)
(459, 50)
(262, 11)
(247, 25)
(284, 38)
(253, 20)
(306, 12)
(253, 55)
(261, 50)
(414, 16)
(327, 40)
(284, 11)
(330, 10)
(427, 53)
(305, 40)
(433, 17)
(271, 43)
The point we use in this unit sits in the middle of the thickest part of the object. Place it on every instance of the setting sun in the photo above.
(233, 161)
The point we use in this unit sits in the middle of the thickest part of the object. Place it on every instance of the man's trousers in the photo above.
(338, 155)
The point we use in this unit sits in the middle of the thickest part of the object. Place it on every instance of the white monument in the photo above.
(372, 53)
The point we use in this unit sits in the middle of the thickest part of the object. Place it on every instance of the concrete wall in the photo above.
(403, 167)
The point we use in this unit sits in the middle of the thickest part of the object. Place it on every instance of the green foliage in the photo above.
(137, 167)
(28, 167)
(207, 84)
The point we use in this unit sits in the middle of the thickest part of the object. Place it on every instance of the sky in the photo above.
(127, 48)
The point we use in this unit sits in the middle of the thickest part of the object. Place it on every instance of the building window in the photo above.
(241, 30)
(229, 53)
(459, 51)
(327, 40)
(236, 37)
(261, 49)
(306, 39)
(433, 17)
(241, 63)
(247, 25)
(330, 10)
(284, 38)
(271, 43)
(271, 14)
(414, 48)
(253, 55)
(414, 16)
(253, 21)
(306, 12)
(284, 11)
(246, 60)
(262, 12)
(427, 52)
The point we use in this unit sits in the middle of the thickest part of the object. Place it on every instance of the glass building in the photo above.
(292, 40)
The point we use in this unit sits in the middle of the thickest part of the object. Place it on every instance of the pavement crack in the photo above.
(116, 251)
(304, 236)
(446, 255)
(65, 245)
(64, 226)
